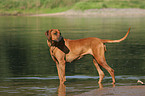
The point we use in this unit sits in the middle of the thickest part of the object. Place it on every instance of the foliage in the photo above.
(53, 6)
(92, 4)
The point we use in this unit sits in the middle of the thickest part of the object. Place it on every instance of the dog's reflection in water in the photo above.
(62, 89)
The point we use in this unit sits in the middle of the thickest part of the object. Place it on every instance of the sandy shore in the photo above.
(117, 91)
(100, 12)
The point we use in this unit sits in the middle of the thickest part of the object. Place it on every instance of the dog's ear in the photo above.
(48, 34)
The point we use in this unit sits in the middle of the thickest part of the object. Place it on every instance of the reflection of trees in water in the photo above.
(127, 58)
(25, 51)
(16, 53)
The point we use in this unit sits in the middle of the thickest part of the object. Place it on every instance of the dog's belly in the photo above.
(71, 57)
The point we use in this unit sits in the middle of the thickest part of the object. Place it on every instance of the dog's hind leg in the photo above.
(98, 54)
(101, 73)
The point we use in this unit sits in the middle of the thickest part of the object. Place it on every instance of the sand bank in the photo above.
(117, 91)
(108, 12)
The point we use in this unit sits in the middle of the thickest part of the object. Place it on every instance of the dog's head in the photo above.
(53, 35)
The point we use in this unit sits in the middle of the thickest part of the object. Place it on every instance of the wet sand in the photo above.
(138, 90)
(107, 12)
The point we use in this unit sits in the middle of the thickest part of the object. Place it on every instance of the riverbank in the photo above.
(106, 12)
(28, 7)
(117, 91)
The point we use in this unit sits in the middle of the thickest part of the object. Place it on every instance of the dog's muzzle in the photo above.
(59, 39)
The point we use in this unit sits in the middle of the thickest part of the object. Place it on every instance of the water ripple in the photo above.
(80, 77)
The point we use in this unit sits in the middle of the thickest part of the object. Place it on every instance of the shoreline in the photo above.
(138, 90)
(105, 12)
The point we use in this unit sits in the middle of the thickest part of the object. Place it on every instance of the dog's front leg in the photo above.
(58, 56)
(61, 71)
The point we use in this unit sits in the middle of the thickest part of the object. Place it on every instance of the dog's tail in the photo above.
(114, 41)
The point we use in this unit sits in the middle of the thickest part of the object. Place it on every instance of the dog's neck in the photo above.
(60, 45)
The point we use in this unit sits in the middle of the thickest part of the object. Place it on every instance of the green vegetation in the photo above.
(92, 4)
(53, 6)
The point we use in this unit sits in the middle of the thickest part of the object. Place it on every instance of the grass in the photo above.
(34, 6)
(53, 6)
(109, 4)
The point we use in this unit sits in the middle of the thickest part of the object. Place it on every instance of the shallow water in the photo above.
(48, 86)
(27, 68)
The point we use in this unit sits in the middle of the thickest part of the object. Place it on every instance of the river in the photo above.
(27, 68)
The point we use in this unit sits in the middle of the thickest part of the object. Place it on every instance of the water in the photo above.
(27, 68)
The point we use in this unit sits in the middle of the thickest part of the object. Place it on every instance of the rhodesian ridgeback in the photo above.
(66, 50)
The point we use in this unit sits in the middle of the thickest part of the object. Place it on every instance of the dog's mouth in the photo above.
(59, 39)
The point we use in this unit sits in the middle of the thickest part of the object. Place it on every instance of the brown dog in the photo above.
(66, 50)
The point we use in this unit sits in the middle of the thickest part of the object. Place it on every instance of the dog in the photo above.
(66, 50)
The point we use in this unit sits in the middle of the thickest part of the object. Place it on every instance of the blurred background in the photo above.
(16, 7)
(25, 63)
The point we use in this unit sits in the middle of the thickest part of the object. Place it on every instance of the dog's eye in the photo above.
(55, 33)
